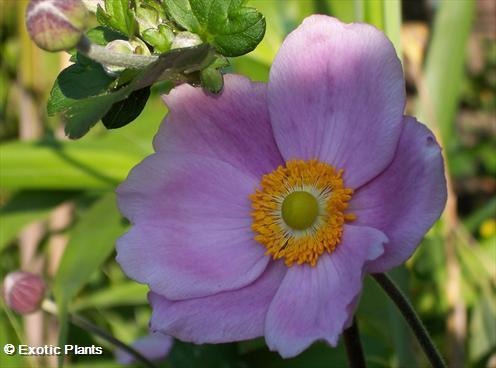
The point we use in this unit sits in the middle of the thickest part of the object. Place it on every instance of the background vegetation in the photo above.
(58, 215)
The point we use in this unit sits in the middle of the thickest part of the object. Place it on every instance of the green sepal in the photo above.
(212, 80)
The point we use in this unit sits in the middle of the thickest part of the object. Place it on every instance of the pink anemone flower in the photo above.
(263, 208)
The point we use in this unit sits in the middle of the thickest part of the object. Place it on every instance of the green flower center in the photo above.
(300, 210)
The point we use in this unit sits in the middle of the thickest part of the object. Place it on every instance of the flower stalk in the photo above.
(50, 307)
(353, 345)
(411, 317)
(107, 57)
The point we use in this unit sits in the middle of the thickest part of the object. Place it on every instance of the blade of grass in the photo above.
(67, 165)
(444, 66)
(373, 13)
(392, 23)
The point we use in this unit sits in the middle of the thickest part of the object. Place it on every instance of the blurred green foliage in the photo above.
(39, 172)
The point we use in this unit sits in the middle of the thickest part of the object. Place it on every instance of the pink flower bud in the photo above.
(23, 291)
(56, 25)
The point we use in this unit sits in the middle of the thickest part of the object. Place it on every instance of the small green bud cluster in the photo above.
(137, 44)
(153, 26)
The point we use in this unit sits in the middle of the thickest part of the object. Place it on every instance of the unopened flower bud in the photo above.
(23, 291)
(120, 46)
(212, 80)
(139, 47)
(186, 39)
(56, 25)
(124, 47)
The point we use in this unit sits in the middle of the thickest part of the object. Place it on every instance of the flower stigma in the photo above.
(299, 211)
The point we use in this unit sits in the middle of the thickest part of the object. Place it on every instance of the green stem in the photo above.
(50, 307)
(411, 318)
(353, 346)
(107, 57)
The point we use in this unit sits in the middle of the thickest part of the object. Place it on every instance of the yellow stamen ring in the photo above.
(299, 211)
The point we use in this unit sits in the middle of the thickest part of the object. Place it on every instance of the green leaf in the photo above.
(25, 207)
(82, 116)
(117, 15)
(79, 93)
(183, 14)
(125, 111)
(84, 105)
(77, 82)
(230, 27)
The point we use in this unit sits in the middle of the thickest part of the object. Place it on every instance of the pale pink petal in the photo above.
(407, 198)
(312, 302)
(337, 94)
(233, 127)
(191, 235)
(228, 316)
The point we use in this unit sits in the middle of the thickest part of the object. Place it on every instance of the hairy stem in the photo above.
(411, 318)
(107, 57)
(50, 307)
(353, 346)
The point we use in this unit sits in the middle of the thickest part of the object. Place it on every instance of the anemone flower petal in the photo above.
(312, 302)
(224, 317)
(233, 127)
(336, 93)
(191, 235)
(407, 198)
